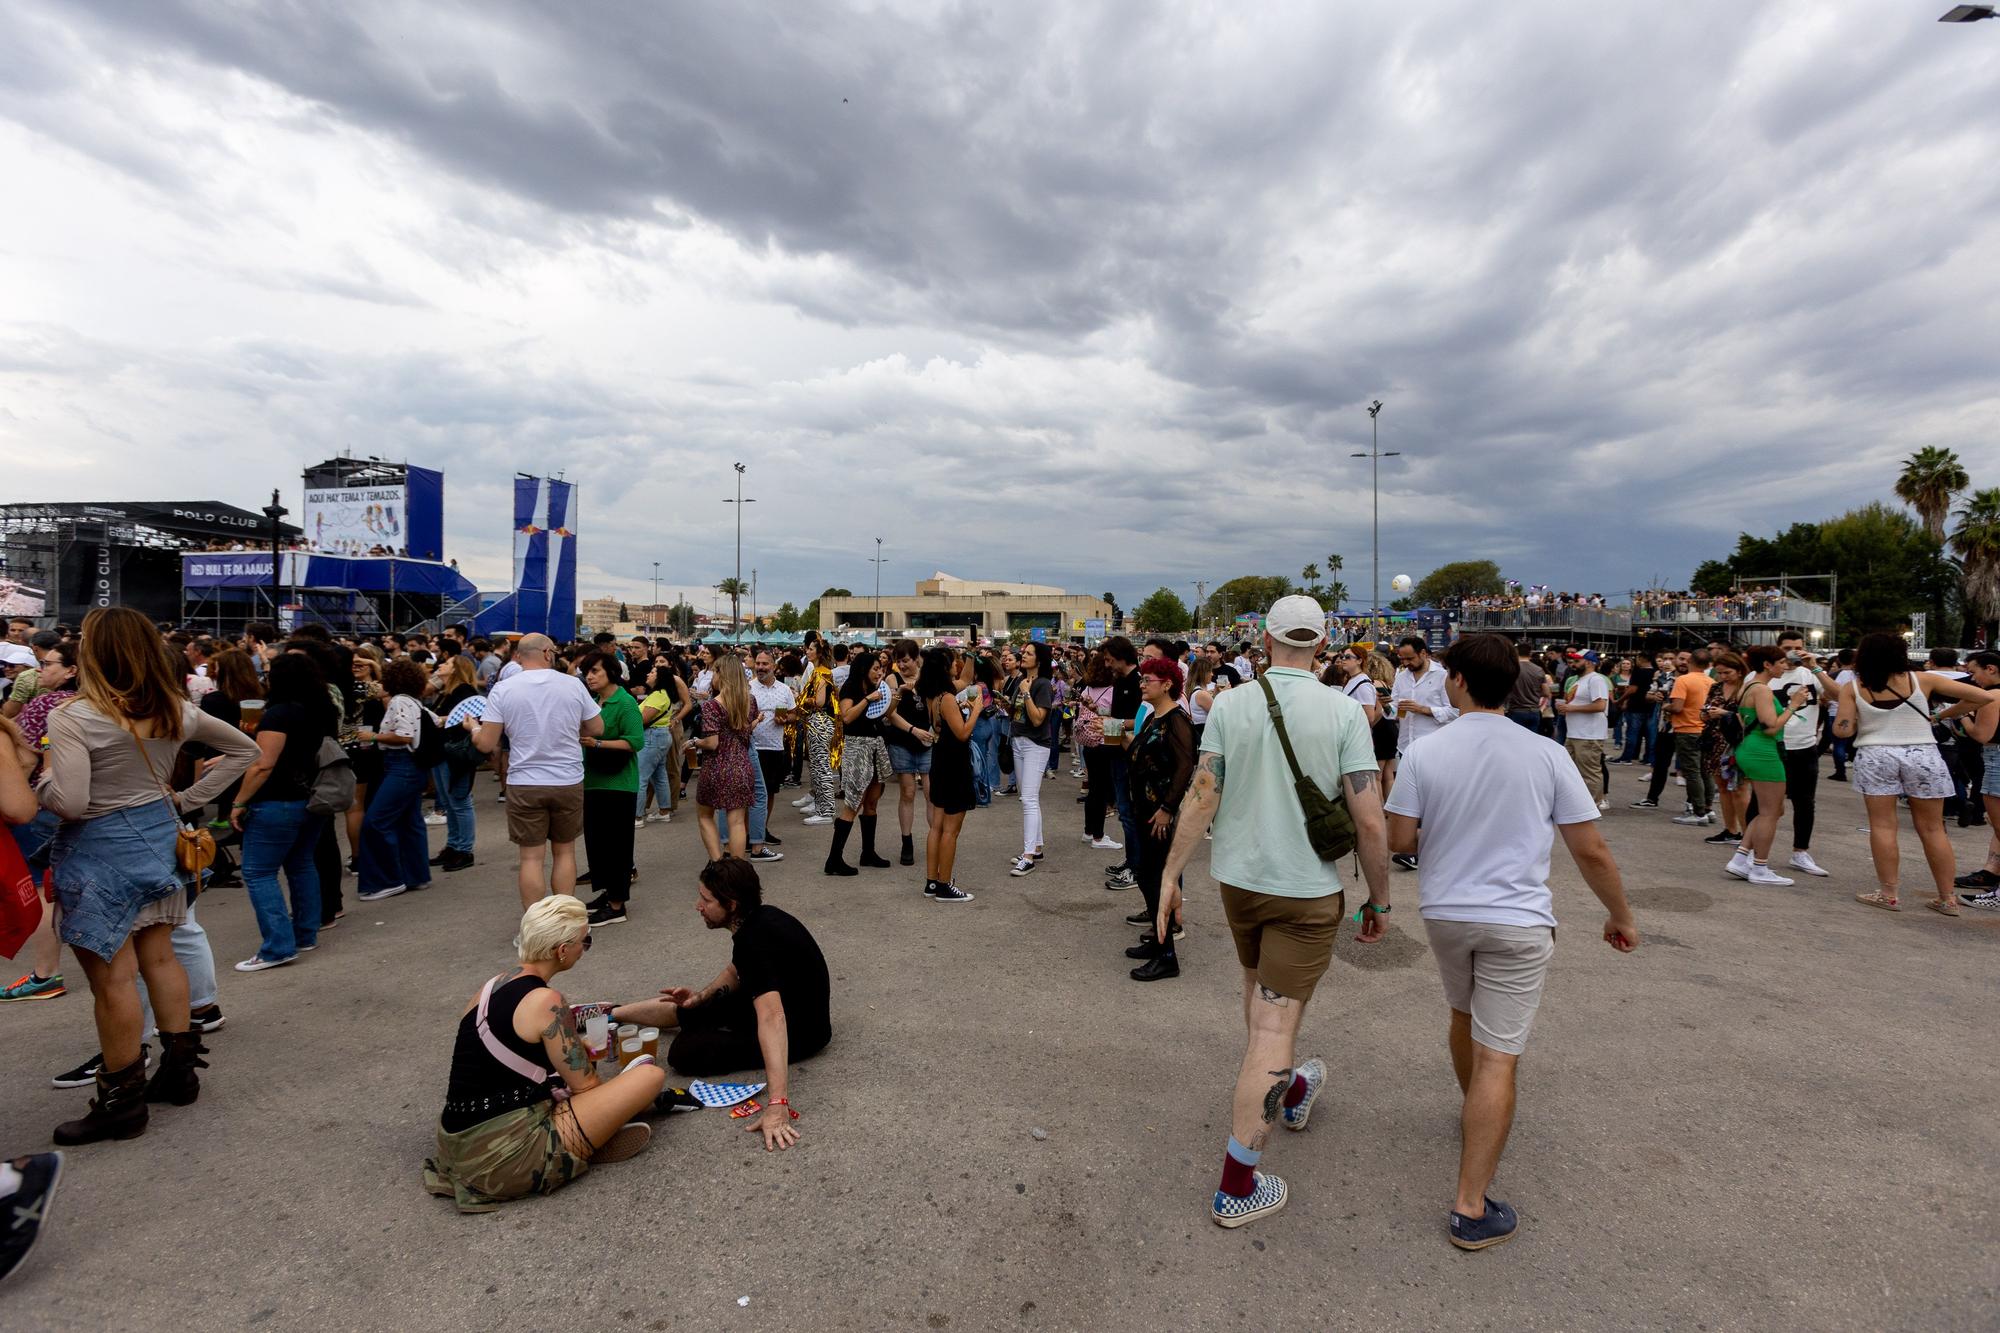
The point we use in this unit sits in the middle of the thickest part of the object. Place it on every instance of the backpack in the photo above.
(429, 749)
(460, 754)
(333, 786)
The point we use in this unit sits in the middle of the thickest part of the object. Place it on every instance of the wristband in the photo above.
(1371, 907)
(781, 1101)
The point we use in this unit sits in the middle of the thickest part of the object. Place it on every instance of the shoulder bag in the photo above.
(1329, 823)
(194, 848)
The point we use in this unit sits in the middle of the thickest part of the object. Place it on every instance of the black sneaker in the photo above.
(1724, 837)
(85, 1074)
(1139, 918)
(950, 893)
(1406, 861)
(1497, 1225)
(28, 1208)
(773, 840)
(1978, 879)
(1123, 879)
(606, 916)
(1158, 968)
(210, 1019)
(1117, 868)
(1644, 804)
(675, 1099)
(930, 888)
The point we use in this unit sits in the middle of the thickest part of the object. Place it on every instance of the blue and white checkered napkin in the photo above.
(473, 705)
(718, 1095)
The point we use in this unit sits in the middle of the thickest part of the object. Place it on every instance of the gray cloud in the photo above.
(1164, 252)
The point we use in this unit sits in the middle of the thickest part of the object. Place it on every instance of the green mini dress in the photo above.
(1757, 757)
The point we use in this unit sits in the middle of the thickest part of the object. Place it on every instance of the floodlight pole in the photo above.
(1375, 457)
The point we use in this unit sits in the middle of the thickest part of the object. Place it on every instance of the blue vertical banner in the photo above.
(544, 596)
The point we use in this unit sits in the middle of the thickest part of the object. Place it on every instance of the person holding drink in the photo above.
(525, 1110)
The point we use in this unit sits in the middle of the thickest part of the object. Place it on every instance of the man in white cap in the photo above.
(1283, 902)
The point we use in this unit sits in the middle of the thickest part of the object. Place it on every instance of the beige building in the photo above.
(944, 603)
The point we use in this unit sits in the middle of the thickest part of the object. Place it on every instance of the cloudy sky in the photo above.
(1082, 294)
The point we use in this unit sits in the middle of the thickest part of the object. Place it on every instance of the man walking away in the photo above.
(1283, 902)
(1524, 701)
(1490, 798)
(1586, 705)
(544, 715)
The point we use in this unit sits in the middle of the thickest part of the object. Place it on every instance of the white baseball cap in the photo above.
(1296, 620)
(13, 654)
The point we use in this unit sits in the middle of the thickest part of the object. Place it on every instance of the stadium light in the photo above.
(1375, 455)
(1970, 13)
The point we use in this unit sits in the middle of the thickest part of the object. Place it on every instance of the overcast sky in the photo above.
(1092, 295)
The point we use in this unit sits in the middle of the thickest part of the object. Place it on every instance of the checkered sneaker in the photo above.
(1233, 1211)
(1315, 1074)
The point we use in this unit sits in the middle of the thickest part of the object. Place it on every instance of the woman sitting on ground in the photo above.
(525, 1111)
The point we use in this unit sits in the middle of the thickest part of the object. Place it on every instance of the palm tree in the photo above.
(734, 589)
(1976, 543)
(1931, 477)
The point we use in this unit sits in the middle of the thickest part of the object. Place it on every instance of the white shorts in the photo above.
(1902, 770)
(1495, 973)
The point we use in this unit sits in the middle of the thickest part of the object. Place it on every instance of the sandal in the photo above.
(1878, 899)
(1942, 908)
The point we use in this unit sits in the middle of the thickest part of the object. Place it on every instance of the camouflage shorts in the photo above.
(516, 1153)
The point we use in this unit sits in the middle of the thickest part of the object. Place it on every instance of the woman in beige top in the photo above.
(118, 888)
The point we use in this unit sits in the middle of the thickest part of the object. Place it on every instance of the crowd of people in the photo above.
(133, 743)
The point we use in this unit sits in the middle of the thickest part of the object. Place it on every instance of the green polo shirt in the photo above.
(621, 723)
(1260, 832)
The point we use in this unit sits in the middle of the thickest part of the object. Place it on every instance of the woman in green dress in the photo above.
(1759, 763)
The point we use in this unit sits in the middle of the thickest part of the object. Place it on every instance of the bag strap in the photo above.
(512, 1060)
(167, 792)
(1278, 721)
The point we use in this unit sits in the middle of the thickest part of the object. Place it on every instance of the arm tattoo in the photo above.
(1360, 782)
(1212, 764)
(562, 1026)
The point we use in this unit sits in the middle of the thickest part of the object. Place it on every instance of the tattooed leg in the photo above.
(1274, 1100)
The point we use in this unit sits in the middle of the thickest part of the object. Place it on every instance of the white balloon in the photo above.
(1401, 583)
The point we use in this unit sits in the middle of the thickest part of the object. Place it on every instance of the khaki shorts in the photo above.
(536, 815)
(1495, 973)
(1287, 942)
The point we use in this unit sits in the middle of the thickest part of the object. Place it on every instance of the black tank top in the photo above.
(481, 1087)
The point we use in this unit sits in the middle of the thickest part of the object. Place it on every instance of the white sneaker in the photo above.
(1680, 781)
(379, 894)
(259, 963)
(1803, 862)
(1739, 864)
(1604, 803)
(638, 824)
(1765, 875)
(1708, 818)
(803, 803)
(813, 821)
(1105, 844)
(1691, 818)
(434, 820)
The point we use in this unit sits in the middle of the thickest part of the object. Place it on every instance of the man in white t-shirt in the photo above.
(1586, 704)
(1799, 746)
(544, 715)
(1491, 796)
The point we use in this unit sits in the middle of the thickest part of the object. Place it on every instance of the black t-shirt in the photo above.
(303, 729)
(1125, 695)
(1224, 671)
(774, 952)
(911, 709)
(1641, 682)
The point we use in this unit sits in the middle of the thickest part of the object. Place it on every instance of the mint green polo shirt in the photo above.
(1260, 832)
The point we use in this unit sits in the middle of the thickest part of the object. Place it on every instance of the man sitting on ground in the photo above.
(768, 1007)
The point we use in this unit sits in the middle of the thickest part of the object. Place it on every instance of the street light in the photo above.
(656, 593)
(877, 562)
(1970, 13)
(739, 502)
(1375, 455)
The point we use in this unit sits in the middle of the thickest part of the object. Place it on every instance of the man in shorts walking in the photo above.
(543, 714)
(1282, 902)
(1491, 797)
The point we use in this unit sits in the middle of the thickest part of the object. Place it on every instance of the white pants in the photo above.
(1031, 761)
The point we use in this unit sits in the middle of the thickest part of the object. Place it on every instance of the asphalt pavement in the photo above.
(1775, 1115)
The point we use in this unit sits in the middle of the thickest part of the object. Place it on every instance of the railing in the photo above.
(1586, 619)
(1728, 611)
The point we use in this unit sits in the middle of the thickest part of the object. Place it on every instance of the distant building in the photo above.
(943, 602)
(598, 614)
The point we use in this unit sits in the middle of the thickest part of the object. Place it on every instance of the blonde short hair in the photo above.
(556, 920)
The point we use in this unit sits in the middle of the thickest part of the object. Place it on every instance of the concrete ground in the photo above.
(1776, 1115)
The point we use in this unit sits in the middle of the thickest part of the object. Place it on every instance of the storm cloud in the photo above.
(1092, 295)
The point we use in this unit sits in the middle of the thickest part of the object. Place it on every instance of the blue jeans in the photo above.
(759, 799)
(656, 770)
(1526, 717)
(1639, 735)
(280, 835)
(985, 759)
(394, 847)
(191, 950)
(454, 793)
(1121, 793)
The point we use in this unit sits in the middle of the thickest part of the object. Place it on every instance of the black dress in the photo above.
(951, 771)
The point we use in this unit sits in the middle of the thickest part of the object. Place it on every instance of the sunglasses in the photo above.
(585, 941)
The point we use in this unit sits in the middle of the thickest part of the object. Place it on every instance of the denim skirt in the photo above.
(107, 869)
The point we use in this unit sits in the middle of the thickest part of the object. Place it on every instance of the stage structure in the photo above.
(120, 553)
(366, 507)
(544, 597)
(348, 594)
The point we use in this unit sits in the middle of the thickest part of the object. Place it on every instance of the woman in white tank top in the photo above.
(1886, 710)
